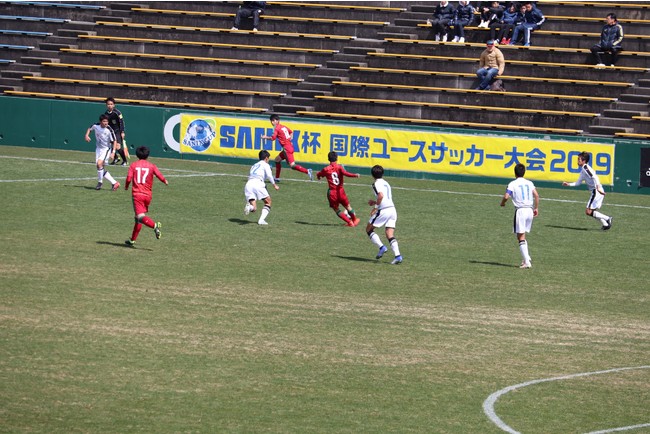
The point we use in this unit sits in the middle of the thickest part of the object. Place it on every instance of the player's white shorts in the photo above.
(386, 216)
(103, 154)
(595, 200)
(255, 189)
(523, 220)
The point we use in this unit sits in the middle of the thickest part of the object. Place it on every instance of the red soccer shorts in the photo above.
(141, 204)
(337, 197)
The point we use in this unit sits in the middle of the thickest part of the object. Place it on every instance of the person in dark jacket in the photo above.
(248, 9)
(533, 20)
(506, 24)
(611, 39)
(463, 17)
(442, 17)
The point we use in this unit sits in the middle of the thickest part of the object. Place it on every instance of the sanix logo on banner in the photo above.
(417, 151)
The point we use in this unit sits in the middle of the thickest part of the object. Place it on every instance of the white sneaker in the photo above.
(600, 65)
(483, 25)
(444, 38)
(247, 209)
(262, 223)
(437, 38)
(496, 42)
(234, 28)
(461, 40)
(455, 39)
(255, 29)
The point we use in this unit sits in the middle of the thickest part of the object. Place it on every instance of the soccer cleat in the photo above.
(382, 250)
(356, 221)
(609, 224)
(130, 242)
(247, 209)
(526, 265)
(99, 186)
(125, 163)
(262, 223)
(350, 224)
(277, 180)
(115, 186)
(310, 173)
(156, 230)
(397, 260)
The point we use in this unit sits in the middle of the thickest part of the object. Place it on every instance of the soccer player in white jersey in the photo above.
(104, 150)
(255, 188)
(526, 201)
(383, 214)
(588, 175)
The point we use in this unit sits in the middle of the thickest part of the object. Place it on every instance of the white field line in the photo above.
(488, 404)
(192, 174)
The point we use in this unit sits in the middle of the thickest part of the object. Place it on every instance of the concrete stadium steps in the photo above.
(471, 65)
(481, 115)
(227, 36)
(226, 50)
(540, 54)
(371, 11)
(469, 82)
(168, 77)
(268, 25)
(472, 97)
(177, 95)
(638, 11)
(198, 64)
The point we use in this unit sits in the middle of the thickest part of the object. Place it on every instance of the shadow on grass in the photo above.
(355, 258)
(241, 221)
(85, 187)
(108, 243)
(567, 227)
(498, 264)
(316, 224)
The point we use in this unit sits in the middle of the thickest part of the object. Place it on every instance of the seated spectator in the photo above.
(490, 13)
(248, 9)
(533, 20)
(505, 24)
(491, 65)
(463, 17)
(442, 17)
(611, 38)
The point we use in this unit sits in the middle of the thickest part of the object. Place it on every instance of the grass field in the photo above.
(226, 326)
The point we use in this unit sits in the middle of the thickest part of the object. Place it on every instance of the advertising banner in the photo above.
(395, 149)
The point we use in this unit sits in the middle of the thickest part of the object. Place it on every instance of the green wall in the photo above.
(61, 124)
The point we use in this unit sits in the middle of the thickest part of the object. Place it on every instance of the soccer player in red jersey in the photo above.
(141, 173)
(334, 174)
(285, 136)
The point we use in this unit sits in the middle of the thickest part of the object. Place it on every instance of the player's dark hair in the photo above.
(274, 118)
(142, 152)
(584, 156)
(111, 99)
(377, 171)
(332, 156)
(612, 16)
(520, 170)
(102, 117)
(264, 154)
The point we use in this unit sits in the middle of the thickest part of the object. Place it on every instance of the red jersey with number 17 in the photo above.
(141, 173)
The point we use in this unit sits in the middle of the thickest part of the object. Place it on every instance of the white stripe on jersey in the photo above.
(261, 171)
(381, 186)
(521, 191)
(104, 136)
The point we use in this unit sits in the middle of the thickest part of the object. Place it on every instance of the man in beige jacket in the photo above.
(491, 66)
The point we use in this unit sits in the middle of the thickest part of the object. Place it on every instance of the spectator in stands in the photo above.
(533, 20)
(491, 65)
(442, 18)
(506, 24)
(491, 13)
(463, 17)
(248, 9)
(611, 38)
